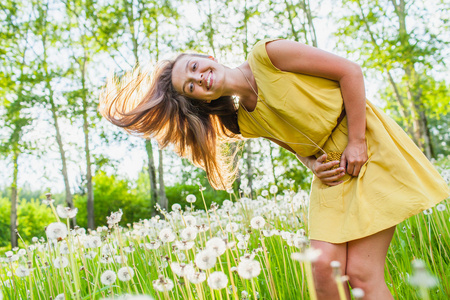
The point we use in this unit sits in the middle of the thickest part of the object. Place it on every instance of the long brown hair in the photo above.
(149, 106)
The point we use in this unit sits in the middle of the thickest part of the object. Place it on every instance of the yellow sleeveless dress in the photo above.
(395, 183)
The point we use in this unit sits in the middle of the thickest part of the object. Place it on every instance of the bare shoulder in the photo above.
(291, 56)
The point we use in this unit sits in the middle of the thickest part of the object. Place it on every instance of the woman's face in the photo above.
(198, 77)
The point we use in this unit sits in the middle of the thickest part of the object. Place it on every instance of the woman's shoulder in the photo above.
(258, 54)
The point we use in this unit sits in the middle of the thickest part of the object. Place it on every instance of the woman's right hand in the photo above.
(323, 172)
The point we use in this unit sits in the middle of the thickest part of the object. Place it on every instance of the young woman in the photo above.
(312, 103)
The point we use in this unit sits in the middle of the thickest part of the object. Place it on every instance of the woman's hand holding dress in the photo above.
(354, 157)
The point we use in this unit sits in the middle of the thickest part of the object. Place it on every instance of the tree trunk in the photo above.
(249, 164)
(62, 152)
(87, 152)
(151, 172)
(272, 163)
(309, 18)
(162, 191)
(14, 200)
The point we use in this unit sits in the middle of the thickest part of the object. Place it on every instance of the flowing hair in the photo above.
(148, 106)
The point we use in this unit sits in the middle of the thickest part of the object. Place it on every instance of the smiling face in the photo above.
(198, 77)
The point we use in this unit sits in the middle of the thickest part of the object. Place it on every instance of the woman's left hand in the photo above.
(354, 157)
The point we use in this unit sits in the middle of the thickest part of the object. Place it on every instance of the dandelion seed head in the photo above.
(60, 262)
(422, 277)
(273, 189)
(182, 269)
(176, 207)
(108, 277)
(163, 284)
(22, 271)
(114, 218)
(190, 221)
(248, 269)
(440, 207)
(60, 297)
(56, 231)
(66, 212)
(217, 280)
(196, 277)
(217, 245)
(125, 273)
(153, 245)
(166, 235)
(358, 293)
(205, 259)
(428, 211)
(257, 222)
(265, 193)
(232, 227)
(309, 254)
(191, 198)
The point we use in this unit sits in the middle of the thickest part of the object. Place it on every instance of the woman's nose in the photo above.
(200, 78)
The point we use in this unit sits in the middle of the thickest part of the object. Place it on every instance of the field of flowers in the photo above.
(243, 249)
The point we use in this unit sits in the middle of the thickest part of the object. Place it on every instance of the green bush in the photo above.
(111, 194)
(32, 216)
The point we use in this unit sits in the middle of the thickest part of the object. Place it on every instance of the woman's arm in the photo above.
(295, 57)
(317, 166)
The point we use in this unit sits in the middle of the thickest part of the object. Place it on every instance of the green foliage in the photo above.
(32, 216)
(111, 194)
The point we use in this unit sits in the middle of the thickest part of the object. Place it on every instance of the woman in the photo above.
(310, 102)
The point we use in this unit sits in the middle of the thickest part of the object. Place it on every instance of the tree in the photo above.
(14, 97)
(397, 39)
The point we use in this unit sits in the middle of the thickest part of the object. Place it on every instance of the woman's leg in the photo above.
(323, 278)
(365, 264)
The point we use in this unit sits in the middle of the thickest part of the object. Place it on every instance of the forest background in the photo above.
(55, 56)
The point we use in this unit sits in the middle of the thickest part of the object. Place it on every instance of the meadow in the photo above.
(242, 249)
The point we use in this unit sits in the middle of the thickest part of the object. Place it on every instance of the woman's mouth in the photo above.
(209, 80)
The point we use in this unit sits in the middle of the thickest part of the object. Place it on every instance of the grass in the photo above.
(132, 249)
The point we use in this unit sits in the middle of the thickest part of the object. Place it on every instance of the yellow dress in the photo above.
(395, 183)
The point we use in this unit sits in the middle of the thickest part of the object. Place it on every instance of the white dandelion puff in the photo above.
(232, 227)
(273, 189)
(421, 276)
(309, 254)
(190, 221)
(60, 262)
(440, 207)
(125, 274)
(108, 277)
(248, 269)
(217, 280)
(189, 233)
(257, 222)
(205, 259)
(114, 218)
(197, 277)
(66, 212)
(163, 284)
(358, 293)
(153, 245)
(182, 269)
(265, 193)
(428, 211)
(191, 198)
(22, 271)
(166, 235)
(176, 207)
(217, 245)
(184, 245)
(22, 252)
(60, 297)
(56, 231)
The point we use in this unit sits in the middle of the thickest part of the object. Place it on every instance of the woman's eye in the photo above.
(191, 87)
(194, 66)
